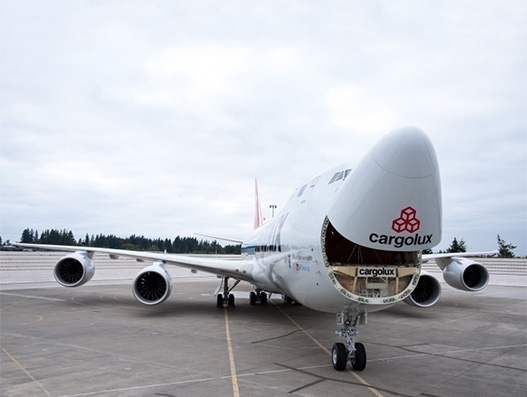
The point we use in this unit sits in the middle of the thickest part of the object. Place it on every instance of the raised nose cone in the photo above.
(392, 199)
(406, 152)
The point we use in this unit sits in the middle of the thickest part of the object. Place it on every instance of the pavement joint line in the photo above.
(182, 382)
(439, 353)
(325, 349)
(17, 363)
(32, 297)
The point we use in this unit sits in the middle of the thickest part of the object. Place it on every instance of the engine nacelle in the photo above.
(465, 274)
(152, 285)
(74, 270)
(426, 293)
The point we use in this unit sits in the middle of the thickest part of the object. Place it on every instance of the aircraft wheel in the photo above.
(252, 298)
(231, 300)
(219, 300)
(263, 298)
(289, 301)
(358, 362)
(339, 356)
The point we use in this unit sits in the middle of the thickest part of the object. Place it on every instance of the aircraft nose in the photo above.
(406, 152)
(392, 199)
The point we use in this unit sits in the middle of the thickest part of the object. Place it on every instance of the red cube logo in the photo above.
(407, 221)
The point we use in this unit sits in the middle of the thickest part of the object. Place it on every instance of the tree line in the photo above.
(179, 245)
(504, 250)
(184, 245)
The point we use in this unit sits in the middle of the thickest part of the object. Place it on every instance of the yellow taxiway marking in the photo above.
(358, 377)
(14, 360)
(234, 377)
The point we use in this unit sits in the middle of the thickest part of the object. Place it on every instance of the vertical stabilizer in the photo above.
(258, 220)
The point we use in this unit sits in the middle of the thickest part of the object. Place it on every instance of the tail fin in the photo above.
(258, 220)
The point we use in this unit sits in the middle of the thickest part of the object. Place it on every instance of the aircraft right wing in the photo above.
(153, 284)
(237, 268)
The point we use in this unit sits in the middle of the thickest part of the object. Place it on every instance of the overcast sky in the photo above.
(154, 117)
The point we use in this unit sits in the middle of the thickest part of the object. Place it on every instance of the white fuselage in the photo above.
(352, 237)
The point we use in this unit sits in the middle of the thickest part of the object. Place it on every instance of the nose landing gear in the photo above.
(351, 351)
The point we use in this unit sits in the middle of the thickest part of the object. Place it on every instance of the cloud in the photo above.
(155, 118)
(350, 111)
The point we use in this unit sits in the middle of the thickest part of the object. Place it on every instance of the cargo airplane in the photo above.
(348, 241)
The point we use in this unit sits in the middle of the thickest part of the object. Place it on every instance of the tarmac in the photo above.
(97, 340)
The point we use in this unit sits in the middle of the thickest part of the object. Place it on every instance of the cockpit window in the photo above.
(333, 178)
(339, 175)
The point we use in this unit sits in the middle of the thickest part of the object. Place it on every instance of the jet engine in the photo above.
(74, 269)
(426, 293)
(153, 284)
(464, 274)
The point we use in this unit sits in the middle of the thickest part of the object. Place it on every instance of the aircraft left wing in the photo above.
(461, 272)
(447, 255)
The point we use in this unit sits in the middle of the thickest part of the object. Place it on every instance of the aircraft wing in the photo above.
(427, 257)
(241, 268)
(444, 259)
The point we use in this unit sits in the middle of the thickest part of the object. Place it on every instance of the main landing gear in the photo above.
(352, 351)
(258, 297)
(225, 299)
(290, 301)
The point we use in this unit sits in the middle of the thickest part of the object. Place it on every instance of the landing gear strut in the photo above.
(352, 351)
(226, 299)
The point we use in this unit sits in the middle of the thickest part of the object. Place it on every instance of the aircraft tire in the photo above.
(339, 356)
(231, 300)
(219, 300)
(359, 361)
(263, 298)
(252, 298)
(289, 301)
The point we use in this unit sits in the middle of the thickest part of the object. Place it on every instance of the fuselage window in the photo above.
(268, 248)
